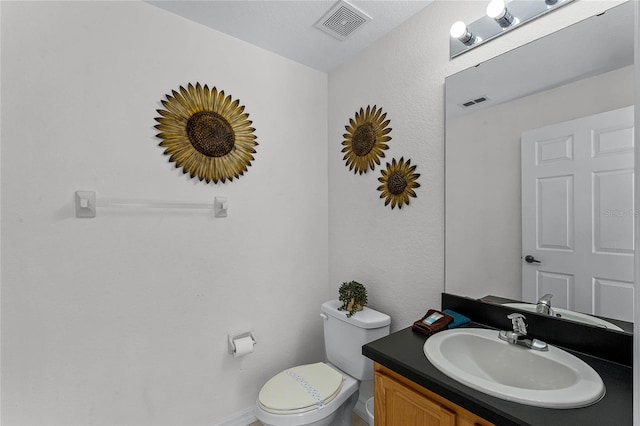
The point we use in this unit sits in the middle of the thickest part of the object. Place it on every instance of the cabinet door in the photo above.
(396, 404)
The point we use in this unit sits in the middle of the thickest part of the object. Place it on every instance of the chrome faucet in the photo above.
(519, 334)
(544, 305)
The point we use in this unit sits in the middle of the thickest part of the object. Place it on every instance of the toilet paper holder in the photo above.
(239, 335)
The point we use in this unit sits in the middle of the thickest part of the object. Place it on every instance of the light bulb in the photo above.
(498, 11)
(460, 31)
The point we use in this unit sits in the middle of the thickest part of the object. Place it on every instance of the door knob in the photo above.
(530, 259)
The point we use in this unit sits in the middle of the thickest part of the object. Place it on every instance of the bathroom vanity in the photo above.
(410, 390)
(400, 401)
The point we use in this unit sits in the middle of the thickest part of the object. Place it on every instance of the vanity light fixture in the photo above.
(502, 16)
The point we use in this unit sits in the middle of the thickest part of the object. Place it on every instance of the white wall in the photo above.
(484, 214)
(123, 319)
(400, 254)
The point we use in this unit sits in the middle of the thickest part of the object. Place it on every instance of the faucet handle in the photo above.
(518, 323)
(546, 298)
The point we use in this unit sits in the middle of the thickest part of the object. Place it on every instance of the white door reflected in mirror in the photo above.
(577, 215)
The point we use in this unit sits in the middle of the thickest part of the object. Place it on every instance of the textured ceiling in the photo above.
(287, 27)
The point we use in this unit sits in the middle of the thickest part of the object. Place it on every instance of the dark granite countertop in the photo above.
(402, 352)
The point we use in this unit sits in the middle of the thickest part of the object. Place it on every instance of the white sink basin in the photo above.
(570, 315)
(479, 359)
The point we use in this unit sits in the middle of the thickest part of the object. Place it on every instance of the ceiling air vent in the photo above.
(342, 20)
(473, 102)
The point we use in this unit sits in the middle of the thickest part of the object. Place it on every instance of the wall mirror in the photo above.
(529, 106)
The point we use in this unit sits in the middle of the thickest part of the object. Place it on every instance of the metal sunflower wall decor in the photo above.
(398, 182)
(365, 140)
(207, 134)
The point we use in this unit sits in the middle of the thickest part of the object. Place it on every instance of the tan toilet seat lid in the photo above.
(299, 389)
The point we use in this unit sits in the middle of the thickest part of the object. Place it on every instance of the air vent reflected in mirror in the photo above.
(474, 102)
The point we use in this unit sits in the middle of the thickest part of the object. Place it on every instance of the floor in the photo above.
(355, 421)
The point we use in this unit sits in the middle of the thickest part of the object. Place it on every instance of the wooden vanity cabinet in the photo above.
(399, 401)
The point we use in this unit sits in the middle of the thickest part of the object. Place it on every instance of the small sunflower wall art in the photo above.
(366, 139)
(398, 182)
(206, 133)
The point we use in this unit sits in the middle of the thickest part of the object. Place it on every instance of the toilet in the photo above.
(324, 393)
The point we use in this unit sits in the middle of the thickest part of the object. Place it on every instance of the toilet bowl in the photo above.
(325, 393)
(295, 407)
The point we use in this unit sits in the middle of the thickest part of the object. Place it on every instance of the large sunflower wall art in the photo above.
(206, 133)
(365, 140)
(398, 183)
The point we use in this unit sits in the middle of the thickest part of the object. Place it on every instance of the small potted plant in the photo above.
(353, 296)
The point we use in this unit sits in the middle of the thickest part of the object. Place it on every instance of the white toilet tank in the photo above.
(344, 337)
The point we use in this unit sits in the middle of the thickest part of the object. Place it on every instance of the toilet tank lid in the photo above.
(367, 318)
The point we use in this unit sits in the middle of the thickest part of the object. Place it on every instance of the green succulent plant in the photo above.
(353, 296)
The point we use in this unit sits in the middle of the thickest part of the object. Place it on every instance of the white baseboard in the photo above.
(247, 416)
(242, 418)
